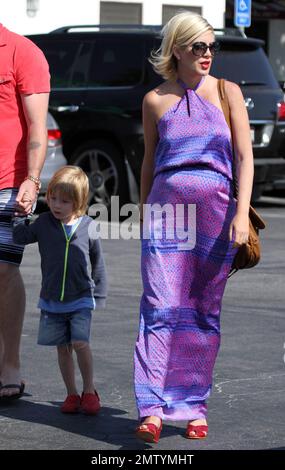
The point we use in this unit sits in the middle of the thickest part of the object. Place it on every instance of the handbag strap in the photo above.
(224, 101)
(227, 113)
(254, 216)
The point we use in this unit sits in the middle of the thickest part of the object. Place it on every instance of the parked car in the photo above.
(54, 157)
(99, 77)
(243, 61)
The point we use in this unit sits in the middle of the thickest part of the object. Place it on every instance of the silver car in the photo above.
(54, 157)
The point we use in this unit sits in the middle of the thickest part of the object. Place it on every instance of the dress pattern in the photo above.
(179, 332)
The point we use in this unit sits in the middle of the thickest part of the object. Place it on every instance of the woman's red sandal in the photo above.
(149, 432)
(196, 431)
(199, 431)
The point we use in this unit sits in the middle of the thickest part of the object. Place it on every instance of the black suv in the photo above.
(99, 77)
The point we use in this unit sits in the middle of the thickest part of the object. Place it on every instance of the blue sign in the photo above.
(242, 13)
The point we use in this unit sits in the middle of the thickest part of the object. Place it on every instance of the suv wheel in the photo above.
(104, 166)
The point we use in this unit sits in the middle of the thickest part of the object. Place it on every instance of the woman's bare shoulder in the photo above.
(234, 94)
(161, 91)
(232, 88)
(161, 97)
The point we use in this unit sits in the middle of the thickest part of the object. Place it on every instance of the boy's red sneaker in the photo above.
(71, 404)
(90, 403)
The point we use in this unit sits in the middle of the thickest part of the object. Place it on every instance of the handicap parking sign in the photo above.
(242, 13)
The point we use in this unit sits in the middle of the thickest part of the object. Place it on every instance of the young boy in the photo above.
(70, 289)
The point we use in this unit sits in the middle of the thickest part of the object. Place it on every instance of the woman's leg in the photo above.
(198, 422)
(66, 365)
(152, 420)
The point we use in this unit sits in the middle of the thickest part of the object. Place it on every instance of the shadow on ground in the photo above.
(110, 426)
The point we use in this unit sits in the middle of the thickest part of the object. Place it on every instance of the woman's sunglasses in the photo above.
(200, 48)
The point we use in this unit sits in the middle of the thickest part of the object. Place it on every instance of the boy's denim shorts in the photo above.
(64, 328)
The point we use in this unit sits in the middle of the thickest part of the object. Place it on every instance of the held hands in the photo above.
(239, 229)
(26, 197)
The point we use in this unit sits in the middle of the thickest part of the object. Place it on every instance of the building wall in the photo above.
(56, 13)
(214, 11)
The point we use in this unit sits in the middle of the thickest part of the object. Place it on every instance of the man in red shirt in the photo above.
(24, 93)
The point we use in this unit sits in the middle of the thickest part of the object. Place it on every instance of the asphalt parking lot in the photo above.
(246, 410)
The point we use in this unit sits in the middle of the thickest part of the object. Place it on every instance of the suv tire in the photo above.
(104, 165)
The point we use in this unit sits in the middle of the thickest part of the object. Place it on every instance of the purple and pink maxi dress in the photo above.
(179, 332)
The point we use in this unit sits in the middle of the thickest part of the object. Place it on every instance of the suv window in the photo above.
(245, 64)
(116, 62)
(105, 62)
(61, 56)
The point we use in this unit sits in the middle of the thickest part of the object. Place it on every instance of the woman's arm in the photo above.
(243, 161)
(150, 141)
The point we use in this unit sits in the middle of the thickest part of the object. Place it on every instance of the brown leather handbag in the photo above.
(248, 254)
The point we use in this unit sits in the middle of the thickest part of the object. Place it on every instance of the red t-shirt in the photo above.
(23, 70)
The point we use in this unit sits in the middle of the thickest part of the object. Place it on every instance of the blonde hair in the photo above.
(180, 30)
(73, 183)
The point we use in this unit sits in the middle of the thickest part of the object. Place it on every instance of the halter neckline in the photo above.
(186, 88)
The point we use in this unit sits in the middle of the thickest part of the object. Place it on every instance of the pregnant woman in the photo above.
(188, 160)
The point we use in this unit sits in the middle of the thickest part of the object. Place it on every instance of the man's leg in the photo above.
(12, 308)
